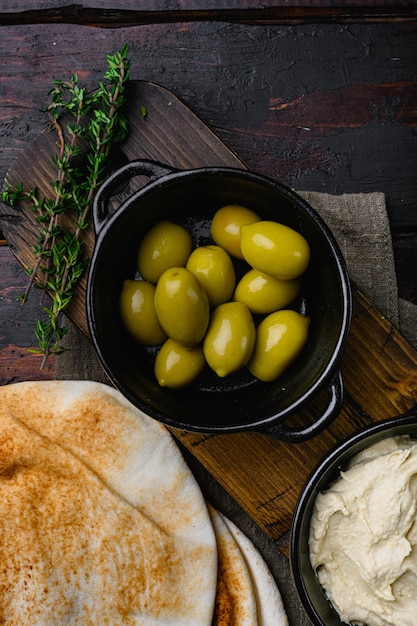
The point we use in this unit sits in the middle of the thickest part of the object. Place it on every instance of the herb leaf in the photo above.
(95, 119)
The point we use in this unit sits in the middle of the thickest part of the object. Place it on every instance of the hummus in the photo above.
(363, 537)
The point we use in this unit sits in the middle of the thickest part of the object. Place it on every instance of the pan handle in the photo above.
(295, 435)
(144, 167)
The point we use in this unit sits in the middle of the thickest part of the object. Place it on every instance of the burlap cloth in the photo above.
(361, 227)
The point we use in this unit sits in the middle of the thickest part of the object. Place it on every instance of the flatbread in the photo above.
(247, 593)
(270, 608)
(101, 521)
(236, 602)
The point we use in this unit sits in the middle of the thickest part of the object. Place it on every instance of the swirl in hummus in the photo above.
(363, 537)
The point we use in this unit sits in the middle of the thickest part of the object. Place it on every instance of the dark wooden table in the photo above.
(320, 95)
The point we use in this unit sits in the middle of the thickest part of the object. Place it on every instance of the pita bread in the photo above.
(270, 608)
(247, 593)
(237, 603)
(101, 520)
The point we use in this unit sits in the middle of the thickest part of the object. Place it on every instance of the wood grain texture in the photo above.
(192, 5)
(17, 338)
(380, 368)
(323, 107)
(280, 13)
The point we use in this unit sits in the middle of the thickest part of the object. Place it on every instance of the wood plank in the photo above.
(380, 368)
(192, 5)
(17, 363)
(281, 14)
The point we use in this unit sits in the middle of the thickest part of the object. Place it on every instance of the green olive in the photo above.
(230, 338)
(275, 249)
(165, 245)
(265, 294)
(280, 337)
(215, 271)
(176, 365)
(137, 310)
(182, 306)
(226, 224)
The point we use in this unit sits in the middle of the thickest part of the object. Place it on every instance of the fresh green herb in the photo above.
(95, 119)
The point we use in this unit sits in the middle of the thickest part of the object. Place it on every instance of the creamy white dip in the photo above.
(363, 537)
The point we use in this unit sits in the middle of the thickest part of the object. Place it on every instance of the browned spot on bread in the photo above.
(90, 531)
(223, 608)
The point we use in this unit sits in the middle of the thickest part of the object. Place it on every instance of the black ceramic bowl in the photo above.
(237, 402)
(311, 593)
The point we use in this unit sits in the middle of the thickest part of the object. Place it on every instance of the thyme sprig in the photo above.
(95, 120)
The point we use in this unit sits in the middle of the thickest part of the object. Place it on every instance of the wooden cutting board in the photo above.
(262, 474)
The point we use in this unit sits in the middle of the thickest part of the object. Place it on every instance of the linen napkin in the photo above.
(360, 224)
